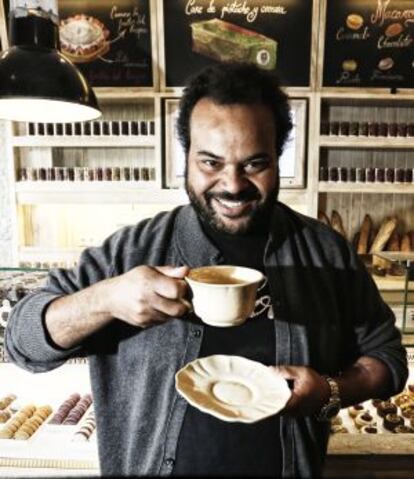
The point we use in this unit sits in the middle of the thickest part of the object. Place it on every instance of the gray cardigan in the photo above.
(328, 312)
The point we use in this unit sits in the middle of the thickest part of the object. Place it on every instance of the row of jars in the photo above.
(366, 174)
(85, 173)
(355, 128)
(93, 128)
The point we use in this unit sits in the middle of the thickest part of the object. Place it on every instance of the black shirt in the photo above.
(210, 446)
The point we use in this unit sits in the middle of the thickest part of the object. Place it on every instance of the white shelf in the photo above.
(102, 192)
(34, 254)
(391, 143)
(102, 141)
(377, 188)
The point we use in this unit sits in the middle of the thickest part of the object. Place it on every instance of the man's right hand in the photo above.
(147, 295)
(142, 297)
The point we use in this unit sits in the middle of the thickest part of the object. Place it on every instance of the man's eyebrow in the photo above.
(209, 154)
(256, 156)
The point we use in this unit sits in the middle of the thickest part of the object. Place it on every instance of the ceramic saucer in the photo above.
(232, 388)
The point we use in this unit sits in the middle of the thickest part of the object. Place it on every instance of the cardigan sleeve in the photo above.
(374, 328)
(27, 342)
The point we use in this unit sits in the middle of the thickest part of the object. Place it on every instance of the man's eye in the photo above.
(209, 163)
(257, 165)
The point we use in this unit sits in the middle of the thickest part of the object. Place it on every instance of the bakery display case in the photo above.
(47, 424)
(62, 442)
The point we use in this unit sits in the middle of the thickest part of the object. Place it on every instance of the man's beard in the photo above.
(258, 217)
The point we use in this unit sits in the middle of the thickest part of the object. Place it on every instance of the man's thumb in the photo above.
(173, 271)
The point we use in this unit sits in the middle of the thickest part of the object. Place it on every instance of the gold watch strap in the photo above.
(333, 385)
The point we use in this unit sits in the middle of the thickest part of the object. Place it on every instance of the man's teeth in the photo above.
(230, 204)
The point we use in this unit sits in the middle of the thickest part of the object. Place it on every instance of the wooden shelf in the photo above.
(392, 283)
(377, 188)
(374, 94)
(371, 444)
(357, 142)
(85, 141)
(102, 192)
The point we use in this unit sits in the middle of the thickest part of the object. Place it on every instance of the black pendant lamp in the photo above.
(37, 82)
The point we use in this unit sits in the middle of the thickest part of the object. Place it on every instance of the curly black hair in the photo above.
(235, 83)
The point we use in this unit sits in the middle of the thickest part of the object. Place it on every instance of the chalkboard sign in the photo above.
(109, 40)
(369, 43)
(276, 35)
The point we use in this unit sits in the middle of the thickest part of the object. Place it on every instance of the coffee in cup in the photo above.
(224, 295)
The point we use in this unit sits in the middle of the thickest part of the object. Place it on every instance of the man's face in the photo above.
(232, 174)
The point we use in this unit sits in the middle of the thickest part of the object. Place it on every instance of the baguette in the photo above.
(372, 235)
(336, 223)
(383, 235)
(366, 227)
(406, 243)
(323, 218)
(393, 244)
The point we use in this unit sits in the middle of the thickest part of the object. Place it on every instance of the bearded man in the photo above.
(319, 320)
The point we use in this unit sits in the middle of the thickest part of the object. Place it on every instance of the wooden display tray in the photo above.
(355, 442)
(392, 283)
(51, 446)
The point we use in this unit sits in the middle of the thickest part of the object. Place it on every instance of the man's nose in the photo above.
(233, 179)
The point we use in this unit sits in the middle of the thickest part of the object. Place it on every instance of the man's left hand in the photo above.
(310, 390)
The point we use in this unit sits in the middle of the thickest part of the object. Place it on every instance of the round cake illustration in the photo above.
(83, 38)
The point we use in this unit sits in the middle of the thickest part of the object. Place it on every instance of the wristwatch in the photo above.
(333, 406)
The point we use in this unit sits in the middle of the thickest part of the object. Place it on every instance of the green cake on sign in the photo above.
(226, 42)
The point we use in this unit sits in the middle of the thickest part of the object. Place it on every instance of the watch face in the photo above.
(330, 410)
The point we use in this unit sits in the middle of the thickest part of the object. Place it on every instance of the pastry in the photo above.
(369, 429)
(4, 416)
(323, 218)
(6, 433)
(336, 421)
(339, 429)
(21, 435)
(393, 244)
(356, 409)
(364, 235)
(336, 223)
(64, 408)
(376, 402)
(407, 410)
(391, 421)
(386, 229)
(6, 401)
(402, 398)
(364, 419)
(83, 38)
(354, 21)
(386, 407)
(406, 243)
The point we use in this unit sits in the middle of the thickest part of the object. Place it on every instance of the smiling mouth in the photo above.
(233, 208)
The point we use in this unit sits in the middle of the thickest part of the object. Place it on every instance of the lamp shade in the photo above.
(41, 85)
(37, 82)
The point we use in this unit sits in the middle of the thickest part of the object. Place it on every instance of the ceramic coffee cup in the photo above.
(224, 296)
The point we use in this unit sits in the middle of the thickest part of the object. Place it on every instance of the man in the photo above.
(318, 313)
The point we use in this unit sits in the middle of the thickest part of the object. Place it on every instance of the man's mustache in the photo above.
(248, 194)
